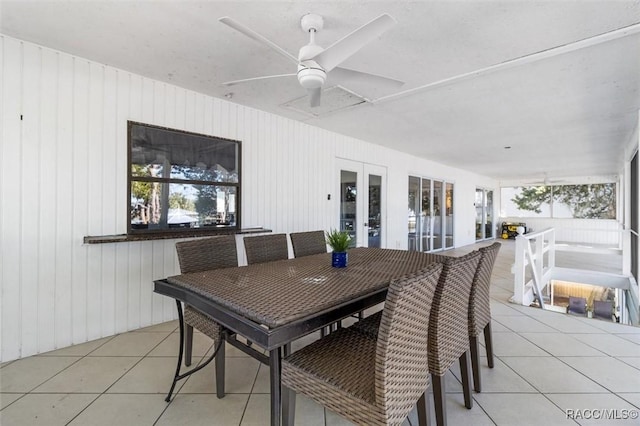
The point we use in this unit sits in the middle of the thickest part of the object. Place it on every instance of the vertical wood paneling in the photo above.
(169, 268)
(159, 110)
(64, 202)
(121, 284)
(189, 110)
(1, 175)
(146, 276)
(207, 116)
(123, 113)
(47, 235)
(63, 177)
(157, 271)
(121, 279)
(109, 195)
(95, 208)
(30, 179)
(10, 194)
(134, 277)
(198, 115)
(80, 218)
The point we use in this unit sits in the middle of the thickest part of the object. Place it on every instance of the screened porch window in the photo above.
(182, 181)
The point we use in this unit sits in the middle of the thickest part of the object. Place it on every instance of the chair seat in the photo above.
(203, 323)
(369, 326)
(339, 369)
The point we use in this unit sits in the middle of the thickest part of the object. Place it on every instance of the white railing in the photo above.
(530, 256)
(535, 257)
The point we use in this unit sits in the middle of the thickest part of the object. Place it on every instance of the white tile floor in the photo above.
(546, 363)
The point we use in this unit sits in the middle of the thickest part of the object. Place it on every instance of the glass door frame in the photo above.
(486, 211)
(361, 224)
(426, 241)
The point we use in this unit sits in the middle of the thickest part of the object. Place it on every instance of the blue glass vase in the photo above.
(339, 259)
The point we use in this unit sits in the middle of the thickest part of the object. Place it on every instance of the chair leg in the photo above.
(288, 406)
(488, 343)
(424, 413)
(220, 367)
(466, 382)
(188, 344)
(475, 363)
(439, 399)
(176, 376)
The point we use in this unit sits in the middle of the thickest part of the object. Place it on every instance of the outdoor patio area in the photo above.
(549, 367)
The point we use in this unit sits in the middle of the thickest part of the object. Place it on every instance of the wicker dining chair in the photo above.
(449, 329)
(369, 325)
(480, 311)
(266, 248)
(370, 381)
(308, 243)
(199, 255)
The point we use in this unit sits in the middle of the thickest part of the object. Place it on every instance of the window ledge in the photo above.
(124, 238)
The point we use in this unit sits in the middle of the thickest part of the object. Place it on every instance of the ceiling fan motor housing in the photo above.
(311, 77)
(310, 74)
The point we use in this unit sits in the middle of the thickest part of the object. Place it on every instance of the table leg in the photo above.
(275, 357)
(220, 367)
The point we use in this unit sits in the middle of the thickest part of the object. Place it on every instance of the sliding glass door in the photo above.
(484, 214)
(430, 220)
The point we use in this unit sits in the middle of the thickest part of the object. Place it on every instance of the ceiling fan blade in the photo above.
(346, 74)
(265, 77)
(333, 55)
(314, 96)
(257, 37)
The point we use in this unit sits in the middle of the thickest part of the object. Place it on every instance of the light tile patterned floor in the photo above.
(546, 363)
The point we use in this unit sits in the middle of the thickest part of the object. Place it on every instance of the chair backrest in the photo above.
(401, 373)
(577, 305)
(448, 322)
(266, 248)
(603, 309)
(479, 302)
(204, 254)
(308, 243)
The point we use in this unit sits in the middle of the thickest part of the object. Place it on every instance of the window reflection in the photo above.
(182, 180)
(189, 206)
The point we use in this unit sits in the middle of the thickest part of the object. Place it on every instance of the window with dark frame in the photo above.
(180, 181)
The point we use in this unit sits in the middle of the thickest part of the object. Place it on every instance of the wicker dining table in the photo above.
(274, 303)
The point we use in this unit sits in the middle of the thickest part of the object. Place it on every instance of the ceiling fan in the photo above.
(315, 63)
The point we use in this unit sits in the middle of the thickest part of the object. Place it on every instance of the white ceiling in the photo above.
(557, 81)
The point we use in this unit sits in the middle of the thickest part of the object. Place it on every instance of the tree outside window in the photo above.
(587, 201)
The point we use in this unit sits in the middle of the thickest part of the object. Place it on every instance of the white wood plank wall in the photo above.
(63, 173)
(578, 231)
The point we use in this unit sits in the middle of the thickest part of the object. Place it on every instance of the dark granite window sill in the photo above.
(124, 238)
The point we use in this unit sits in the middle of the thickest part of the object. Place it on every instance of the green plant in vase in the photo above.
(339, 242)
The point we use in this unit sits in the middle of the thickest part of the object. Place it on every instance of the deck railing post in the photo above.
(518, 270)
(533, 255)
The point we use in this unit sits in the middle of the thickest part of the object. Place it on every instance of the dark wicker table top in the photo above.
(277, 293)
